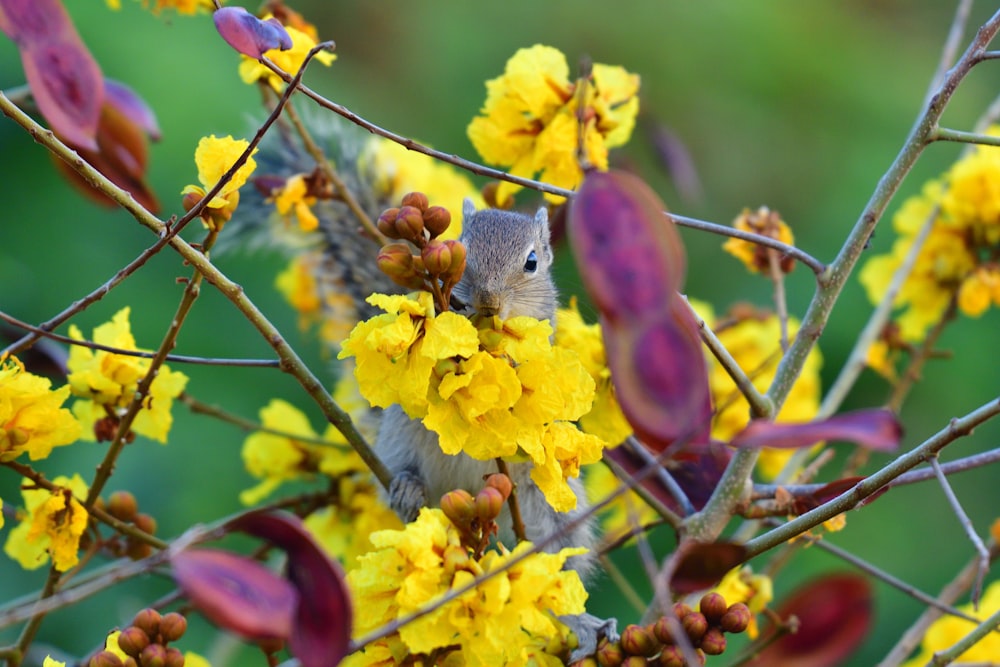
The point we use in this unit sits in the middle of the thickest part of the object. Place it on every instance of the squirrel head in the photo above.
(508, 263)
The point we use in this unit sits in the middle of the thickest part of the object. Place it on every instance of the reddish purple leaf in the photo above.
(876, 429)
(236, 593)
(65, 80)
(809, 501)
(127, 102)
(834, 613)
(702, 566)
(248, 34)
(321, 630)
(696, 470)
(632, 263)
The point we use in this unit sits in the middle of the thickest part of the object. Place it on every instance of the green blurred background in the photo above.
(798, 106)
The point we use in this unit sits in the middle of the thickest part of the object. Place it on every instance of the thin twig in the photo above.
(513, 502)
(970, 531)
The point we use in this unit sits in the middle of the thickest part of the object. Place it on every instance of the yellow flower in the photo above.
(500, 622)
(289, 60)
(754, 590)
(215, 156)
(192, 659)
(956, 263)
(51, 525)
(757, 258)
(530, 121)
(295, 197)
(275, 459)
(605, 419)
(297, 283)
(947, 630)
(105, 382)
(111, 644)
(753, 340)
(51, 662)
(189, 7)
(32, 418)
(395, 171)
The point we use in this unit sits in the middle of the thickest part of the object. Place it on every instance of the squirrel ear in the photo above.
(468, 209)
(542, 219)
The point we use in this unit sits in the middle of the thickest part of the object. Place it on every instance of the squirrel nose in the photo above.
(487, 305)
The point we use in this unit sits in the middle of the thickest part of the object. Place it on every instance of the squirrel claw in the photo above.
(589, 630)
(407, 495)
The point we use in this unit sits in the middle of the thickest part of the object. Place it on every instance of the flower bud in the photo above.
(437, 257)
(714, 642)
(501, 483)
(457, 267)
(637, 640)
(437, 219)
(122, 505)
(174, 658)
(445, 366)
(661, 630)
(713, 606)
(634, 661)
(695, 625)
(410, 225)
(671, 656)
(681, 610)
(154, 655)
(132, 640)
(148, 620)
(105, 659)
(610, 654)
(459, 507)
(416, 200)
(489, 504)
(395, 261)
(387, 222)
(172, 626)
(145, 523)
(138, 550)
(736, 618)
(585, 662)
(191, 199)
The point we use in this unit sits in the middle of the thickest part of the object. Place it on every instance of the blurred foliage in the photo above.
(800, 107)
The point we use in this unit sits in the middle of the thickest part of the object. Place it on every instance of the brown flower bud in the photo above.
(634, 661)
(174, 658)
(148, 620)
(459, 506)
(661, 630)
(714, 642)
(395, 261)
(695, 625)
(122, 505)
(154, 655)
(410, 225)
(610, 654)
(681, 610)
(457, 267)
(489, 504)
(145, 523)
(437, 257)
(713, 606)
(190, 200)
(416, 200)
(387, 222)
(105, 659)
(132, 640)
(585, 662)
(436, 220)
(671, 656)
(138, 550)
(637, 640)
(501, 483)
(172, 626)
(736, 618)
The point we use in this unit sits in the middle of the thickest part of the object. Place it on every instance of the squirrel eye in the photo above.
(531, 264)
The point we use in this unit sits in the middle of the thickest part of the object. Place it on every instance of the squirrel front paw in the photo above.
(407, 494)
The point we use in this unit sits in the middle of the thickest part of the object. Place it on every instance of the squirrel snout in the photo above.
(488, 304)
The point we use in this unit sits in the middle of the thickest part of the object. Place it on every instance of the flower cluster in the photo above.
(958, 265)
(499, 390)
(534, 115)
(509, 619)
(758, 258)
(741, 585)
(105, 383)
(51, 525)
(32, 418)
(215, 156)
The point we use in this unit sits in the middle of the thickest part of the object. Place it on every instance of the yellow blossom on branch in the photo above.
(957, 264)
(105, 383)
(756, 257)
(214, 156)
(289, 60)
(532, 118)
(948, 630)
(502, 390)
(294, 198)
(503, 621)
(51, 525)
(32, 418)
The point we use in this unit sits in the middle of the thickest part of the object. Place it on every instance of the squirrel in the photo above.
(508, 273)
